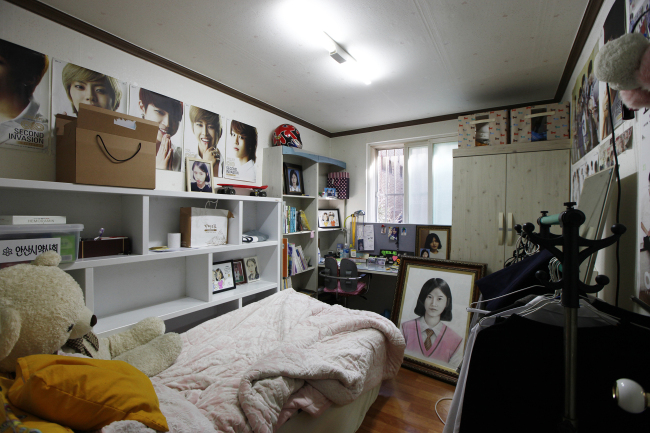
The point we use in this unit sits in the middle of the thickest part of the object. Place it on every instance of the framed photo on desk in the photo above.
(430, 309)
(433, 242)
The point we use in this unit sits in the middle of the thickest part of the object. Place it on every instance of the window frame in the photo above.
(371, 170)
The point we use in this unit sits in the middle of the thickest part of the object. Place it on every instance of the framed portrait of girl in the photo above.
(199, 175)
(222, 276)
(433, 241)
(293, 181)
(252, 269)
(430, 310)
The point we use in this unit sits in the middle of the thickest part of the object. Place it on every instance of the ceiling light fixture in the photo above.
(339, 54)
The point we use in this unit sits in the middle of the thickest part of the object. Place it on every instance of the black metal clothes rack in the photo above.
(571, 257)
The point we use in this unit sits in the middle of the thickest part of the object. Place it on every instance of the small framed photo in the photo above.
(293, 182)
(238, 271)
(430, 309)
(199, 175)
(222, 276)
(329, 219)
(252, 269)
(433, 242)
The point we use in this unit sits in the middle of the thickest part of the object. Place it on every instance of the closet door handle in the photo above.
(500, 231)
(510, 230)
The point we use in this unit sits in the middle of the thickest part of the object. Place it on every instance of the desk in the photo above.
(363, 270)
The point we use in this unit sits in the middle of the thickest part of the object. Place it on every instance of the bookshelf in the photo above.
(315, 169)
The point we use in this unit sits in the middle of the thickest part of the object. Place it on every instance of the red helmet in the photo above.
(287, 135)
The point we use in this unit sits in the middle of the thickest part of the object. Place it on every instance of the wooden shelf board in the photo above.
(328, 230)
(298, 233)
(179, 307)
(298, 196)
(538, 146)
(311, 268)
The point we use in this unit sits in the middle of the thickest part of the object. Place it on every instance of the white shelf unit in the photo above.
(315, 169)
(175, 286)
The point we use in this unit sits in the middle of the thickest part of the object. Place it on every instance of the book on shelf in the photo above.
(294, 220)
(285, 262)
(303, 221)
(28, 219)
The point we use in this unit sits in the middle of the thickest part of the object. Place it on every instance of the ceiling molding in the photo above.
(84, 28)
(46, 11)
(588, 21)
(453, 116)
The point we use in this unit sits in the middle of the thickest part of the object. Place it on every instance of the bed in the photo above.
(276, 364)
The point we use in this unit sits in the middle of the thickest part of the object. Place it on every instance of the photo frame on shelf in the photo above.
(252, 269)
(293, 181)
(222, 276)
(435, 294)
(239, 271)
(433, 242)
(329, 219)
(199, 175)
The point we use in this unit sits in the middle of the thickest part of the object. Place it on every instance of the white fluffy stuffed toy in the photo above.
(625, 64)
(42, 309)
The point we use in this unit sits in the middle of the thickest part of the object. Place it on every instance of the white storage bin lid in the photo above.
(40, 228)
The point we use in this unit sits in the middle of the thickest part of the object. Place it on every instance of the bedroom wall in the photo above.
(628, 162)
(40, 34)
(352, 150)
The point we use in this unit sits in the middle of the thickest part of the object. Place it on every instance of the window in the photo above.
(390, 186)
(412, 182)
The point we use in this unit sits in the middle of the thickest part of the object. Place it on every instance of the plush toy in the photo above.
(625, 64)
(42, 309)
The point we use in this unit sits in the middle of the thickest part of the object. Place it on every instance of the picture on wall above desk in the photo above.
(329, 219)
(293, 180)
(241, 151)
(430, 309)
(168, 113)
(433, 242)
(222, 277)
(199, 175)
(204, 137)
(26, 102)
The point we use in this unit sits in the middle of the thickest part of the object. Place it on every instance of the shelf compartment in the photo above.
(96, 262)
(168, 310)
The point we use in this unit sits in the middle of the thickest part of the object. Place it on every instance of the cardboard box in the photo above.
(201, 227)
(483, 129)
(108, 246)
(540, 123)
(127, 157)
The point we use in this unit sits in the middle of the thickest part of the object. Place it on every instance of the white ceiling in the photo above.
(427, 57)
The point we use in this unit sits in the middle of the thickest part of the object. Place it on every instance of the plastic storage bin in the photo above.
(23, 243)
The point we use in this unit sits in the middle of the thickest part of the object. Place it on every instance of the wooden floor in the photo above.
(406, 404)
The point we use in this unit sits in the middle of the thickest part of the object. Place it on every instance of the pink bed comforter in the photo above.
(243, 368)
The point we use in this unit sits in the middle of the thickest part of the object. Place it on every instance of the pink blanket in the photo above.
(243, 368)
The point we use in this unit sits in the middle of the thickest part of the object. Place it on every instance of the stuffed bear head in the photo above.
(41, 307)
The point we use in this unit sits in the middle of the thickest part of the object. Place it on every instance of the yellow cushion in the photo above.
(85, 394)
(17, 419)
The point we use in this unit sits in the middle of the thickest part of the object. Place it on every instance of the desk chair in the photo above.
(345, 283)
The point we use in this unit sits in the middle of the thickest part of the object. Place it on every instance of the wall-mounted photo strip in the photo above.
(222, 276)
(73, 85)
(252, 269)
(613, 28)
(24, 98)
(168, 113)
(241, 151)
(199, 175)
(584, 103)
(204, 137)
(239, 271)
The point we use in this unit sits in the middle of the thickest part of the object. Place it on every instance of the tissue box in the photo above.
(483, 129)
(201, 227)
(102, 147)
(540, 123)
